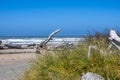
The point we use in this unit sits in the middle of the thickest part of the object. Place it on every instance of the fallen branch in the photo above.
(93, 47)
(43, 44)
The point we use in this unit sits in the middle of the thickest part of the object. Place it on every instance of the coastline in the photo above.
(14, 61)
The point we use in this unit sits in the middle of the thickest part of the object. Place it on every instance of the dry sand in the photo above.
(13, 65)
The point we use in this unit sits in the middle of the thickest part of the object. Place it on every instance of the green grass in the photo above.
(71, 64)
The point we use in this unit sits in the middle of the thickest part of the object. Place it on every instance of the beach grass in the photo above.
(71, 64)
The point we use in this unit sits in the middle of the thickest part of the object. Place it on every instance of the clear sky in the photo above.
(73, 17)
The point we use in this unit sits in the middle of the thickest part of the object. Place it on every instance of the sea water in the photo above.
(38, 40)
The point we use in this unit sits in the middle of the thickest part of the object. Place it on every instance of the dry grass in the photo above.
(71, 64)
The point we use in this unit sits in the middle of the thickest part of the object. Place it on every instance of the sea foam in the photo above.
(39, 40)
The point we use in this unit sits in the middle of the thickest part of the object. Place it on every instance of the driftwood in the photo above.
(0, 42)
(91, 76)
(43, 44)
(13, 46)
(66, 45)
(17, 46)
(93, 47)
(1, 46)
(114, 40)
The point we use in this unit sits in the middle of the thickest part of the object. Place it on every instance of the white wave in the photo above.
(39, 40)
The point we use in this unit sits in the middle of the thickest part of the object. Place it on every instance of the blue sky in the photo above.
(73, 17)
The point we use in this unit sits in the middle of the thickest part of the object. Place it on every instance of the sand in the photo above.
(13, 65)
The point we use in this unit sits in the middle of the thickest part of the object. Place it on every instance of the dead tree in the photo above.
(43, 44)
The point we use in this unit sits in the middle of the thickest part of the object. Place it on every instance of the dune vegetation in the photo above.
(70, 64)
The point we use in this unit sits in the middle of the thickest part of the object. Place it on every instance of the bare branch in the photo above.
(49, 38)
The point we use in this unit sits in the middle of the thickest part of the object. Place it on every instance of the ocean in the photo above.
(37, 40)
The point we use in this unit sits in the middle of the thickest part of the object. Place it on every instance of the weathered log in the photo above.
(91, 76)
(14, 46)
(65, 45)
(43, 44)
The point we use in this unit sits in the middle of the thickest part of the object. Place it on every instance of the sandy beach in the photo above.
(14, 61)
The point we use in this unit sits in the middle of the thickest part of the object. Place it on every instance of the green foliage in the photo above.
(71, 64)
